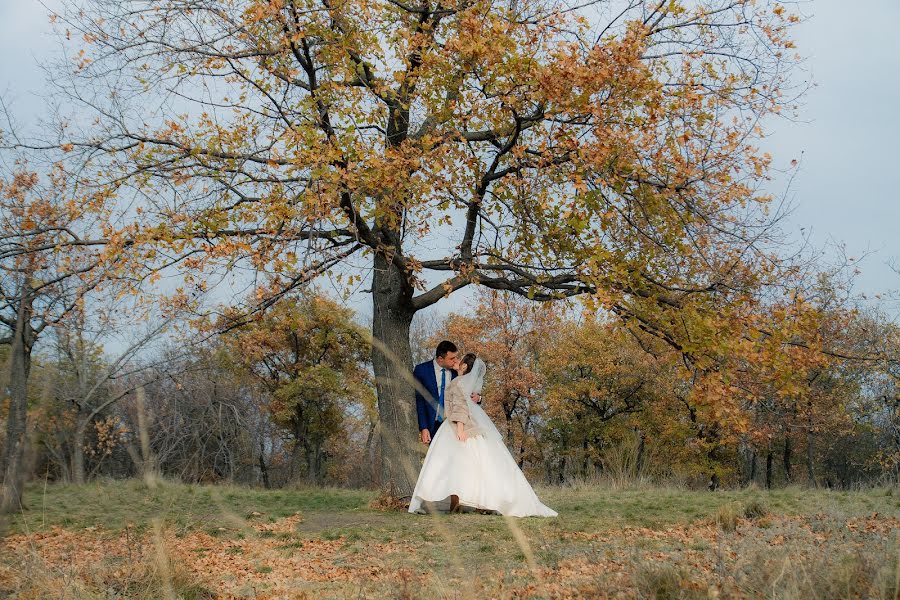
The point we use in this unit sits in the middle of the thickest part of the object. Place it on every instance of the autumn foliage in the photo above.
(311, 358)
(530, 147)
(582, 397)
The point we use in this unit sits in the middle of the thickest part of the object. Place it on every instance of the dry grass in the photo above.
(664, 582)
(728, 516)
(146, 572)
(799, 572)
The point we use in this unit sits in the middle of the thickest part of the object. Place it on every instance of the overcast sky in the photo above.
(849, 133)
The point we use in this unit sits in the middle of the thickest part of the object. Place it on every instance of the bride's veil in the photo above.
(473, 381)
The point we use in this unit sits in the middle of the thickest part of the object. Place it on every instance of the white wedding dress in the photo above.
(481, 470)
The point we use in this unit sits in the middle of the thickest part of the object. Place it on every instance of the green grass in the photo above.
(113, 504)
(342, 512)
(450, 548)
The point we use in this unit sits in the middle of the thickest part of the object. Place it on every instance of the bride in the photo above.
(467, 460)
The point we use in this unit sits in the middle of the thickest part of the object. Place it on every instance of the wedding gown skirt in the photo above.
(481, 471)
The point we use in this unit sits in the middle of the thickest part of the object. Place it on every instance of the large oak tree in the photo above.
(604, 149)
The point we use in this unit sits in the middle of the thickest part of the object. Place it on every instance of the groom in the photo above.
(434, 376)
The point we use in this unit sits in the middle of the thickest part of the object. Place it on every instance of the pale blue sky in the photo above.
(848, 135)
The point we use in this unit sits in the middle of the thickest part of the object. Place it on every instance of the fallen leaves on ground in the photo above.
(273, 560)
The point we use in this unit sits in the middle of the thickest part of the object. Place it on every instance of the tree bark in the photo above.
(312, 477)
(786, 458)
(752, 468)
(584, 457)
(639, 463)
(510, 438)
(78, 454)
(13, 460)
(314, 460)
(522, 454)
(263, 468)
(371, 458)
(810, 470)
(392, 363)
(770, 459)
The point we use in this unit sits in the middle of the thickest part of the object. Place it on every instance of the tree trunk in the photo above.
(314, 456)
(392, 362)
(78, 454)
(639, 463)
(264, 470)
(752, 468)
(584, 458)
(370, 458)
(769, 461)
(810, 471)
(312, 475)
(13, 460)
(296, 452)
(786, 458)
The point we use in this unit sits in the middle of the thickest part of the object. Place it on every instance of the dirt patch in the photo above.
(315, 522)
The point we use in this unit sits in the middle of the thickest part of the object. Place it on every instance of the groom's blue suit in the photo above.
(426, 407)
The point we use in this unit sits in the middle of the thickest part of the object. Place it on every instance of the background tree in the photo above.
(45, 273)
(596, 375)
(90, 381)
(508, 333)
(425, 329)
(207, 421)
(207, 418)
(313, 360)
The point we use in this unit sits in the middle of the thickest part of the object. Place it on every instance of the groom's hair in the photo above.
(444, 347)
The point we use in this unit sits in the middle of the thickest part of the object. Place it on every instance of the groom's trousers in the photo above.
(433, 429)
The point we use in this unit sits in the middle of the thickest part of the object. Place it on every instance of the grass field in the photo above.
(124, 539)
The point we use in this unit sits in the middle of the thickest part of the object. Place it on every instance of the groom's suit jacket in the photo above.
(426, 406)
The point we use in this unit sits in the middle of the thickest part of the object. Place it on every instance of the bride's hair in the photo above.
(469, 361)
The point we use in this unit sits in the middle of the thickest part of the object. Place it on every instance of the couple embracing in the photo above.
(467, 462)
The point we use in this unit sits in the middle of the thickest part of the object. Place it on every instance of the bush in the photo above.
(754, 509)
(729, 515)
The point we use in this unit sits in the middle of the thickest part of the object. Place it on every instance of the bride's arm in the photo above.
(457, 410)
